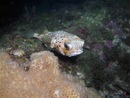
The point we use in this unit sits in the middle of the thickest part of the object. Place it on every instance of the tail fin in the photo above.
(36, 35)
(32, 35)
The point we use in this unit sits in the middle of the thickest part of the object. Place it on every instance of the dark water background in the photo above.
(12, 9)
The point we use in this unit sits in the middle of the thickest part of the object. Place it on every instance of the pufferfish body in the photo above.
(65, 43)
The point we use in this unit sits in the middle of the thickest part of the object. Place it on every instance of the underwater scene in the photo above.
(65, 49)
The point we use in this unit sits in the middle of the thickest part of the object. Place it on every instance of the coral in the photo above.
(43, 80)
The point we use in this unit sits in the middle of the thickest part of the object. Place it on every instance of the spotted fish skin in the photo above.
(65, 43)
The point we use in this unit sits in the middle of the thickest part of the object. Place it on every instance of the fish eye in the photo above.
(68, 46)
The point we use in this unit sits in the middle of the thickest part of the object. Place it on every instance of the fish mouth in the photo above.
(76, 53)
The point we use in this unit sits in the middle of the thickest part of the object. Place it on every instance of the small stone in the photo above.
(18, 52)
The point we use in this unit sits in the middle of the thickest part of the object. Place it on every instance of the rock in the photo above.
(18, 52)
(43, 80)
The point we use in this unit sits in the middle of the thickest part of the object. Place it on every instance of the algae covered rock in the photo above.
(43, 80)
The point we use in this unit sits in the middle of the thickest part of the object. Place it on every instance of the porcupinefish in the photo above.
(65, 43)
